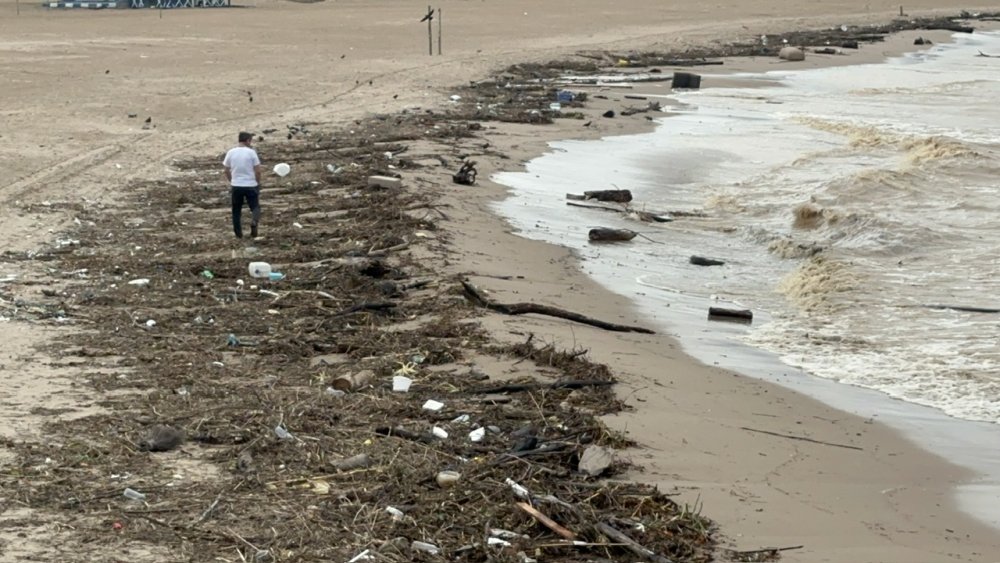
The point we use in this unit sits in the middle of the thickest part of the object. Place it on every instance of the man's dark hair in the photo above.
(245, 137)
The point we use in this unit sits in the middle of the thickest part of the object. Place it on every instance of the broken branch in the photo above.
(546, 521)
(473, 295)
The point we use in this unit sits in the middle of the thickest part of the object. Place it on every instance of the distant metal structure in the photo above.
(91, 5)
(170, 4)
(158, 4)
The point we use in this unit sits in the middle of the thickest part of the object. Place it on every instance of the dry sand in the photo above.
(72, 79)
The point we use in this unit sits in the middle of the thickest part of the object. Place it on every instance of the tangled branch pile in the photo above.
(297, 447)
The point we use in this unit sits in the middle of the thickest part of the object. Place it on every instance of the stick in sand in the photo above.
(548, 522)
(803, 438)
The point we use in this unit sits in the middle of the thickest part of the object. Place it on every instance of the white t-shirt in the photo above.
(241, 161)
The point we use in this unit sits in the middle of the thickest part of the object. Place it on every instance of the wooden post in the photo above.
(439, 31)
(430, 31)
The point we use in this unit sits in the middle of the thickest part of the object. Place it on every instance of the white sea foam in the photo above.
(888, 172)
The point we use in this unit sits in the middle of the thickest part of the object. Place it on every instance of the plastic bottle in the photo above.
(134, 494)
(259, 269)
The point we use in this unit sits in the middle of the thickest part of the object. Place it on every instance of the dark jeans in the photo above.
(252, 198)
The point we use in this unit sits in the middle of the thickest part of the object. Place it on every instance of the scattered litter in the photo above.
(401, 383)
(396, 513)
(363, 556)
(462, 419)
(282, 169)
(423, 546)
(335, 392)
(139, 281)
(281, 433)
(505, 534)
(432, 405)
(596, 460)
(447, 479)
(518, 489)
(439, 432)
(497, 541)
(297, 225)
(150, 323)
(477, 434)
(133, 494)
(259, 269)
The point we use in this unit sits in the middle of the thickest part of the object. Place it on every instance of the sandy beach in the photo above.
(68, 141)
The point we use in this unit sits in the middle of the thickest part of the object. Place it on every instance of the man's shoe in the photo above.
(253, 231)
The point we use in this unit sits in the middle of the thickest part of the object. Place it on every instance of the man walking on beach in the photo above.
(243, 172)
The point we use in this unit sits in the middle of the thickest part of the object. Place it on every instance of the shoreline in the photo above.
(698, 380)
(963, 486)
(956, 440)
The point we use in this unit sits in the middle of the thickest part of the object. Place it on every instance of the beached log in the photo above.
(631, 544)
(719, 313)
(640, 215)
(521, 387)
(353, 381)
(611, 196)
(610, 235)
(702, 261)
(963, 308)
(473, 295)
(615, 196)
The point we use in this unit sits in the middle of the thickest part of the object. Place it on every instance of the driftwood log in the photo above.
(646, 216)
(616, 196)
(610, 235)
(964, 308)
(720, 313)
(702, 261)
(473, 295)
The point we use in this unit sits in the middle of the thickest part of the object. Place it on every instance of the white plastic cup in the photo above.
(259, 269)
(282, 169)
(401, 383)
